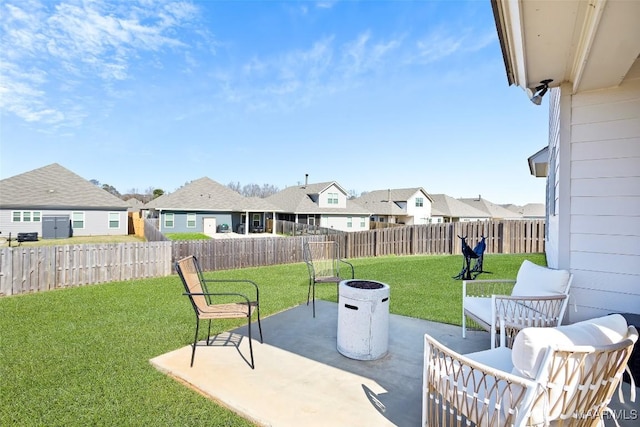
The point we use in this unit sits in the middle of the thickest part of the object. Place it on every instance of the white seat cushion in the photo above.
(531, 344)
(480, 307)
(497, 358)
(536, 280)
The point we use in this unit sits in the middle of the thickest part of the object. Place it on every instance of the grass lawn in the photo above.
(80, 356)
(76, 240)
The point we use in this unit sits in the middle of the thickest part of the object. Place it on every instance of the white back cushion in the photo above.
(531, 344)
(536, 280)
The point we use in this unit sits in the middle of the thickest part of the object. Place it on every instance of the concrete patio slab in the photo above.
(302, 380)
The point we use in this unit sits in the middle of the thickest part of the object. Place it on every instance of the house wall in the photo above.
(418, 215)
(340, 222)
(180, 221)
(603, 147)
(96, 222)
(8, 226)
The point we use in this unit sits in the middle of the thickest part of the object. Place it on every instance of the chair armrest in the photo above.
(350, 266)
(487, 287)
(253, 286)
(208, 295)
(527, 311)
(456, 386)
(518, 312)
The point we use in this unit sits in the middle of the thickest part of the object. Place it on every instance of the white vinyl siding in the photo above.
(605, 200)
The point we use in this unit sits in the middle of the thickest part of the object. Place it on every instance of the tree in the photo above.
(235, 186)
(353, 194)
(268, 190)
(253, 190)
(157, 193)
(111, 189)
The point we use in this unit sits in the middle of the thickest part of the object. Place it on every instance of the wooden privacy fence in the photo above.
(25, 269)
(501, 237)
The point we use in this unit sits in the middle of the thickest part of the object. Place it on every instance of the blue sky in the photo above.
(371, 94)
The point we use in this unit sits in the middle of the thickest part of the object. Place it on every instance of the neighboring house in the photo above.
(528, 211)
(409, 206)
(494, 211)
(324, 204)
(134, 204)
(447, 209)
(589, 50)
(205, 206)
(57, 203)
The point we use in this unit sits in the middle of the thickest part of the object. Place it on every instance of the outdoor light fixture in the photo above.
(540, 90)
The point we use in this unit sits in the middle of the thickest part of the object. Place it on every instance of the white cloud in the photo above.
(362, 56)
(295, 78)
(50, 48)
(446, 42)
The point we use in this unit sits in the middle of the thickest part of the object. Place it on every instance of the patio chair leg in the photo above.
(209, 332)
(195, 341)
(259, 324)
(253, 365)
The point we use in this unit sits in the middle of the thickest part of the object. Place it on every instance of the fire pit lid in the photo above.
(364, 284)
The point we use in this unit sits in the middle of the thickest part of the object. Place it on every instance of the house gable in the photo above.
(332, 197)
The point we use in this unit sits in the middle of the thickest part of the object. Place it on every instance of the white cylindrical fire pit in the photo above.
(363, 319)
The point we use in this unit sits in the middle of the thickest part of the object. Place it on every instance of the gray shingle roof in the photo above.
(447, 206)
(205, 194)
(530, 210)
(495, 211)
(296, 199)
(381, 202)
(55, 187)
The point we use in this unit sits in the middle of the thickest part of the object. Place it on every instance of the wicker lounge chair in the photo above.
(562, 376)
(538, 297)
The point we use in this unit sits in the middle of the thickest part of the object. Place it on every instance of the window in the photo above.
(168, 220)
(191, 220)
(419, 202)
(77, 220)
(349, 222)
(114, 220)
(362, 222)
(25, 216)
(256, 220)
(332, 198)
